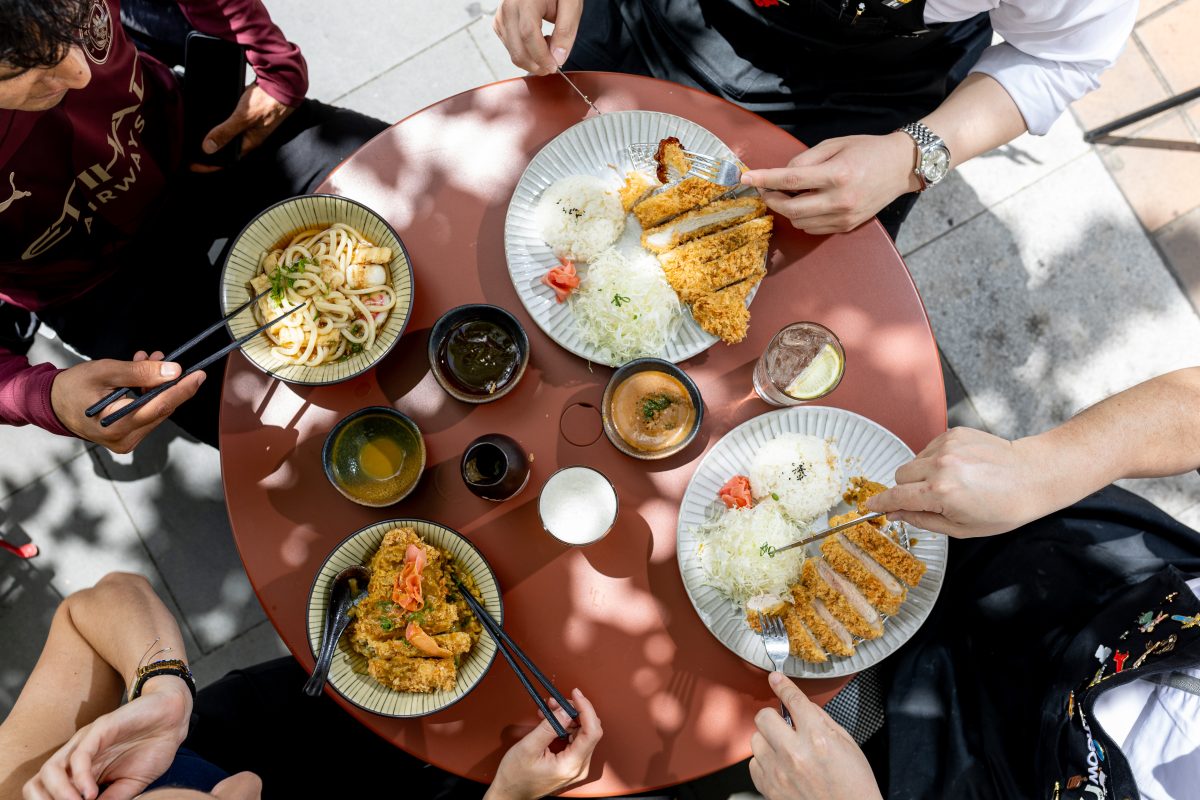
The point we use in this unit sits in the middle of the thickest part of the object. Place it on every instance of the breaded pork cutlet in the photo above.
(701, 222)
(688, 194)
(670, 155)
(829, 633)
(842, 598)
(692, 280)
(862, 488)
(878, 585)
(801, 641)
(724, 313)
(891, 556)
(715, 245)
(637, 185)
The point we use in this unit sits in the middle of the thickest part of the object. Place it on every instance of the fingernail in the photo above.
(210, 146)
(169, 370)
(560, 56)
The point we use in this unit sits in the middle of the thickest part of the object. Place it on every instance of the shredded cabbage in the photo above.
(624, 306)
(735, 552)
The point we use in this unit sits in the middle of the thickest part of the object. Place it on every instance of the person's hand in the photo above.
(969, 483)
(126, 749)
(518, 23)
(532, 769)
(816, 760)
(841, 183)
(80, 386)
(256, 117)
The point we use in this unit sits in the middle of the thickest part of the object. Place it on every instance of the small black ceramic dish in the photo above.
(495, 467)
(651, 409)
(478, 352)
(375, 456)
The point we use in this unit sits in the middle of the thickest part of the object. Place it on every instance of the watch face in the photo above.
(935, 163)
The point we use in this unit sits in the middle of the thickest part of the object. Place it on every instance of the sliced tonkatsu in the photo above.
(683, 197)
(701, 222)
(881, 589)
(715, 245)
(692, 280)
(843, 599)
(891, 556)
(826, 629)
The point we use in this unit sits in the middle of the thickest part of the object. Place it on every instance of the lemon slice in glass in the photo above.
(819, 377)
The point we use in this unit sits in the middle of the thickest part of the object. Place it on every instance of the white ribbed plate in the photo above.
(592, 147)
(867, 448)
(280, 221)
(348, 672)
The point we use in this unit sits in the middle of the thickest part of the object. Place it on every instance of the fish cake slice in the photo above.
(826, 629)
(681, 198)
(891, 556)
(842, 598)
(715, 245)
(878, 585)
(700, 222)
(724, 313)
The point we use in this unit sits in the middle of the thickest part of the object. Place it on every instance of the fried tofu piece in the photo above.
(724, 313)
(715, 245)
(691, 280)
(862, 488)
(366, 254)
(637, 185)
(891, 556)
(844, 601)
(670, 155)
(700, 222)
(406, 674)
(828, 632)
(881, 589)
(681, 198)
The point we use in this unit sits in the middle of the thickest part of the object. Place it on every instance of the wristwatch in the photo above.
(933, 156)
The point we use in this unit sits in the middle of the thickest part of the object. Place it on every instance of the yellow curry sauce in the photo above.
(652, 411)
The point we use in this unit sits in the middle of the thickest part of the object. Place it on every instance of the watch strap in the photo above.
(925, 140)
(168, 666)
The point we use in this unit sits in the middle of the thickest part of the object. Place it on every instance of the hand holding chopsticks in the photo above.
(504, 644)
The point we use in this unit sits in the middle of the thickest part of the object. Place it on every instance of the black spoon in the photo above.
(337, 617)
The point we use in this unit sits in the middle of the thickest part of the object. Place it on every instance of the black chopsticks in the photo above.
(503, 644)
(125, 410)
(116, 395)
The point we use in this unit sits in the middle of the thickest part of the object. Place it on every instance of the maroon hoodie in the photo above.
(77, 181)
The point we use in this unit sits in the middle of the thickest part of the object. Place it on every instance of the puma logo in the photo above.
(17, 194)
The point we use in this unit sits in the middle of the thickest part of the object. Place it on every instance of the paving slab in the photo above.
(1158, 169)
(40, 452)
(1052, 300)
(1170, 38)
(27, 605)
(349, 43)
(1130, 85)
(1001, 173)
(422, 80)
(258, 644)
(938, 211)
(171, 487)
(1179, 242)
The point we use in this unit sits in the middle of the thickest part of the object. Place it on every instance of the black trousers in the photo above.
(259, 720)
(168, 288)
(605, 42)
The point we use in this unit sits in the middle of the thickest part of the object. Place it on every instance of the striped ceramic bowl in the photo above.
(348, 672)
(281, 221)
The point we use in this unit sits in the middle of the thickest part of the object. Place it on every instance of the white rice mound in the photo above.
(803, 473)
(733, 556)
(579, 217)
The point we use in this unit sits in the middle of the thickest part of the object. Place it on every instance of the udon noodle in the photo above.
(343, 281)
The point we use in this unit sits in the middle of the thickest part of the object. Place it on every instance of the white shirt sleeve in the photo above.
(1053, 50)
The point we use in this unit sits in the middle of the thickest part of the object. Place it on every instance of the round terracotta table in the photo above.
(613, 618)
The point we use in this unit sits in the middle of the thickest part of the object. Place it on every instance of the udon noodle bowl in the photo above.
(344, 283)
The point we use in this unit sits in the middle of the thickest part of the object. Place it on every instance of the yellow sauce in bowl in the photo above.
(652, 411)
(376, 459)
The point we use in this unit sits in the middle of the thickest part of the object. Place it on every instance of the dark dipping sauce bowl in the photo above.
(631, 369)
(375, 456)
(478, 352)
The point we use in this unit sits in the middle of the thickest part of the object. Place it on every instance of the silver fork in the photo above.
(775, 640)
(715, 170)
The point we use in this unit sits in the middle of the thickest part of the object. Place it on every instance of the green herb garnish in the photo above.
(774, 497)
(619, 300)
(384, 605)
(766, 550)
(386, 623)
(654, 404)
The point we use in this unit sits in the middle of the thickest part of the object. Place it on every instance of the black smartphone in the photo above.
(214, 77)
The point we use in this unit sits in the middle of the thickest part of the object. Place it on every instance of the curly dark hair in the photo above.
(38, 33)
